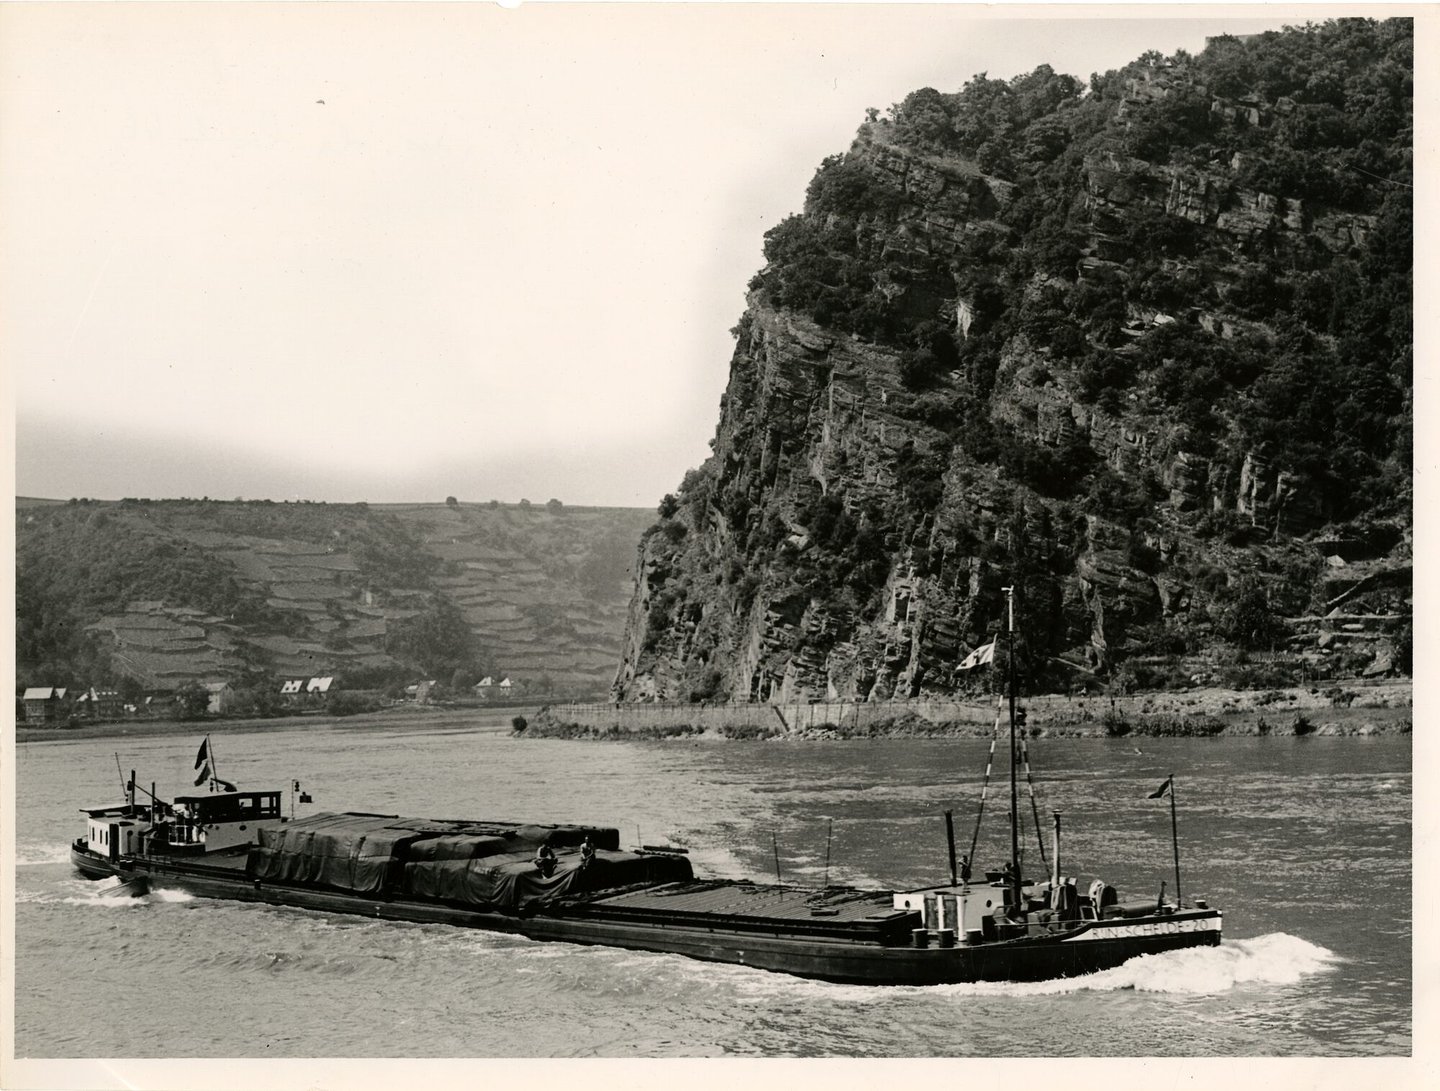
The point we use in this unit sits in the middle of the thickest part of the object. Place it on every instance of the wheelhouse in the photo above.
(218, 807)
(223, 819)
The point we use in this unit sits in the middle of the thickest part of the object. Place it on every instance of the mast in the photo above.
(1175, 841)
(1055, 864)
(1014, 781)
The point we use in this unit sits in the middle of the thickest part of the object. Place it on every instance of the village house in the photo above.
(483, 687)
(100, 704)
(317, 689)
(45, 704)
(221, 694)
(292, 692)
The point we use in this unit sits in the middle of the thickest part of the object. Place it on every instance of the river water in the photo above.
(1305, 843)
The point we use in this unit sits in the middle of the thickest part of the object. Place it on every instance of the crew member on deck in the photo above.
(545, 859)
(587, 851)
(964, 868)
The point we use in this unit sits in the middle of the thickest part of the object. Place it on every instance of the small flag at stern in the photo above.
(1160, 791)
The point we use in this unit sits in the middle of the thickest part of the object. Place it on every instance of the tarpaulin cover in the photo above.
(518, 835)
(365, 853)
(351, 852)
(600, 836)
(511, 882)
(460, 847)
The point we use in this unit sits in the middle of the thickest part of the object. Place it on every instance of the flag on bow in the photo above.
(1160, 791)
(979, 657)
(225, 785)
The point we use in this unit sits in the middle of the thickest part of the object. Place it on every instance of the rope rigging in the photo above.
(985, 784)
(1023, 756)
(1034, 807)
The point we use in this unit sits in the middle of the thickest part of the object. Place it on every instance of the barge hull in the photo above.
(1103, 945)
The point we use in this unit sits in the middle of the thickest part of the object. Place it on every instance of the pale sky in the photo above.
(400, 252)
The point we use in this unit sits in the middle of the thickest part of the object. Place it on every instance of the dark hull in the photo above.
(769, 946)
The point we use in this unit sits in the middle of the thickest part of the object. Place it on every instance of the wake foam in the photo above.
(31, 853)
(1274, 959)
(163, 895)
(105, 894)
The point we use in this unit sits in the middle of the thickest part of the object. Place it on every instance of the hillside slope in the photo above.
(1142, 348)
(162, 592)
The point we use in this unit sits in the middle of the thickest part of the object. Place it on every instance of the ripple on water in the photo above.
(1293, 978)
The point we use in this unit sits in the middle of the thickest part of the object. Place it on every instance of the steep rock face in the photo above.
(1014, 339)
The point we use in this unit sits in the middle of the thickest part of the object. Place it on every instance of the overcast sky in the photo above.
(395, 253)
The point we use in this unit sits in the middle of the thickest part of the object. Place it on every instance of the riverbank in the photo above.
(400, 718)
(1348, 709)
(1361, 708)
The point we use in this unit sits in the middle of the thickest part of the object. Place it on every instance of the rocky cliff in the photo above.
(1141, 347)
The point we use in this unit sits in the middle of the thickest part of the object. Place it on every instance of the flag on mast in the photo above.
(204, 775)
(1160, 791)
(979, 657)
(204, 755)
(225, 785)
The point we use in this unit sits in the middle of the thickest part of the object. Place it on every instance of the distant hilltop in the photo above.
(155, 594)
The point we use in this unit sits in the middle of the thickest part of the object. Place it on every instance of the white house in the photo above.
(221, 694)
(44, 704)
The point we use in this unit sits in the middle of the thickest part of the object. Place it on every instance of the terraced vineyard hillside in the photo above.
(164, 592)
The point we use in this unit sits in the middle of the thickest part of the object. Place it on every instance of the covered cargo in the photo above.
(359, 853)
(511, 883)
(369, 854)
(460, 846)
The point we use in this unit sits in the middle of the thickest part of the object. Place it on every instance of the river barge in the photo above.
(573, 883)
(491, 875)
